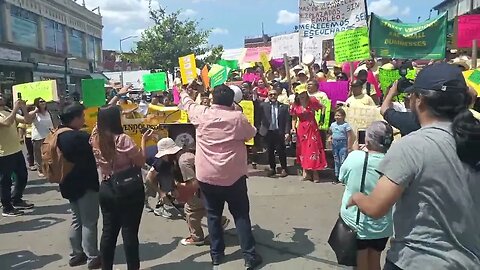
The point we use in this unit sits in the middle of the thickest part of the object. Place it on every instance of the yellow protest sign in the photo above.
(188, 68)
(352, 45)
(46, 90)
(265, 61)
(248, 111)
(472, 77)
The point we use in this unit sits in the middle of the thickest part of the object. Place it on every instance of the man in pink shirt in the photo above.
(221, 168)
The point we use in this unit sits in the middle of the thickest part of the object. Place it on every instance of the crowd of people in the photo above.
(430, 176)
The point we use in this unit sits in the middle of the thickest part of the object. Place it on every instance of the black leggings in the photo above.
(126, 215)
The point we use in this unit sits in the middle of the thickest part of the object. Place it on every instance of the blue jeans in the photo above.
(340, 152)
(237, 198)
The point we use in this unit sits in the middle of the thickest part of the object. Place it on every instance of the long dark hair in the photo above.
(453, 106)
(36, 103)
(109, 124)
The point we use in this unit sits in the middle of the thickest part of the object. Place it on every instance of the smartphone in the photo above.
(19, 95)
(361, 137)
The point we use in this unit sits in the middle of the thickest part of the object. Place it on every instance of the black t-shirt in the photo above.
(76, 148)
(406, 122)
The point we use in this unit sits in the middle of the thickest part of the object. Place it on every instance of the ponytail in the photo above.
(466, 131)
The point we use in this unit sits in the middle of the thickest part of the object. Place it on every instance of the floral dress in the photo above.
(310, 152)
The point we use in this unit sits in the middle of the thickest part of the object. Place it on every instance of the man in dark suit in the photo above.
(275, 128)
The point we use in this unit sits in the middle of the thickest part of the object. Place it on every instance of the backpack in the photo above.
(54, 165)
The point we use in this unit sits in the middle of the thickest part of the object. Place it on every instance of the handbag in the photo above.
(343, 238)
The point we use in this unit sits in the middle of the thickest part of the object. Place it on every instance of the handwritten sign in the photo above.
(387, 77)
(155, 82)
(360, 117)
(265, 61)
(188, 68)
(46, 90)
(352, 45)
(325, 18)
(288, 44)
(468, 30)
(313, 46)
(93, 92)
(248, 111)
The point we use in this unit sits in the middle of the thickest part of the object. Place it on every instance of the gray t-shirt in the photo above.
(437, 219)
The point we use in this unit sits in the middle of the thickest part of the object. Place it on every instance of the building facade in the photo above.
(458, 7)
(37, 38)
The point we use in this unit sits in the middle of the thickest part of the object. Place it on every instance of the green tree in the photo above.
(171, 37)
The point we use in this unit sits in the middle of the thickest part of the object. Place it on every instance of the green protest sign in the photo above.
(387, 77)
(218, 74)
(93, 92)
(425, 40)
(233, 64)
(155, 82)
(352, 45)
(475, 77)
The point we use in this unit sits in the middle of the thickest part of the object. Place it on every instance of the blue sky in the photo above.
(231, 20)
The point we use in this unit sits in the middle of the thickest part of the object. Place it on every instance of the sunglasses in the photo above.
(272, 95)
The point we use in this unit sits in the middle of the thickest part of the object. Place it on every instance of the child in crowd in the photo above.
(342, 138)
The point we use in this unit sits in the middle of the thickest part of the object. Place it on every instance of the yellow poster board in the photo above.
(265, 61)
(471, 82)
(248, 111)
(188, 68)
(46, 90)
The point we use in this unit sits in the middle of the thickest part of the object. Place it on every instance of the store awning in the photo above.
(16, 64)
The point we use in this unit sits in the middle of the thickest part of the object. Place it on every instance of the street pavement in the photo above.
(291, 222)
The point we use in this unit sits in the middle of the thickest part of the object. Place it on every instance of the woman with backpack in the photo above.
(121, 190)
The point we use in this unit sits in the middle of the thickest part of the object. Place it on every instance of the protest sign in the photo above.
(325, 18)
(46, 90)
(232, 64)
(387, 77)
(468, 30)
(289, 44)
(360, 117)
(425, 40)
(234, 54)
(336, 91)
(472, 77)
(323, 117)
(218, 75)
(352, 45)
(155, 82)
(313, 46)
(93, 93)
(188, 68)
(248, 111)
(205, 78)
(253, 54)
(265, 60)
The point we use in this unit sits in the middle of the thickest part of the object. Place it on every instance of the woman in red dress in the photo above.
(310, 152)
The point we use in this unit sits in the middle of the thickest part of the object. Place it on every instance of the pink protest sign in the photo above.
(468, 30)
(336, 91)
(176, 95)
(251, 77)
(253, 54)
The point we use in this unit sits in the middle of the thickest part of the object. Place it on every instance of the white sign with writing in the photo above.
(289, 44)
(312, 46)
(325, 18)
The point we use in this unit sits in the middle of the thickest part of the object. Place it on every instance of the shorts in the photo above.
(375, 244)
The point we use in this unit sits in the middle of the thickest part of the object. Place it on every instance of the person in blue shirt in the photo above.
(342, 138)
(372, 234)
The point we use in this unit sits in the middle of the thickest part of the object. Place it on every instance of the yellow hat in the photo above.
(301, 88)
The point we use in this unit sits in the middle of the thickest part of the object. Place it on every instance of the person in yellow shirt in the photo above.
(12, 160)
(25, 133)
(359, 98)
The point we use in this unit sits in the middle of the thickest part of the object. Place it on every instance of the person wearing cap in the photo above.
(180, 166)
(310, 152)
(221, 169)
(359, 98)
(372, 234)
(432, 176)
(275, 128)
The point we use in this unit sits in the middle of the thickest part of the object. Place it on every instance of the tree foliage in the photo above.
(171, 37)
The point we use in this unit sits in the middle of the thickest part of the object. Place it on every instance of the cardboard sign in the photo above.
(325, 18)
(188, 68)
(155, 82)
(425, 40)
(352, 45)
(265, 61)
(93, 92)
(248, 111)
(468, 30)
(289, 44)
(47, 90)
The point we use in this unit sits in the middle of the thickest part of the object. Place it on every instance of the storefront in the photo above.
(13, 71)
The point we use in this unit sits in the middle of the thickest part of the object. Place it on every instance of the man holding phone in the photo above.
(12, 159)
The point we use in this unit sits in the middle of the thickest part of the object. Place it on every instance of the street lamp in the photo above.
(66, 75)
(121, 52)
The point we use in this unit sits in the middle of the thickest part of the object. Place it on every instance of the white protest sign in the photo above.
(289, 44)
(312, 46)
(325, 18)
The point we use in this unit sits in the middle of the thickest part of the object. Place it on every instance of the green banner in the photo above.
(155, 82)
(352, 45)
(93, 92)
(425, 40)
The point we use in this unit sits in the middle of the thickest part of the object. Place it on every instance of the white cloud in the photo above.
(188, 12)
(386, 8)
(220, 31)
(286, 17)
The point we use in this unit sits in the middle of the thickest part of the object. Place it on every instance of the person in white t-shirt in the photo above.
(41, 126)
